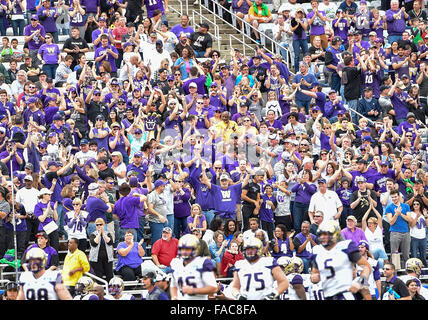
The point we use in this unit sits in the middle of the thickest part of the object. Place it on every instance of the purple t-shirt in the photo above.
(153, 5)
(112, 61)
(225, 199)
(132, 259)
(317, 26)
(35, 42)
(49, 21)
(126, 209)
(177, 29)
(78, 19)
(90, 5)
(38, 211)
(96, 209)
(49, 53)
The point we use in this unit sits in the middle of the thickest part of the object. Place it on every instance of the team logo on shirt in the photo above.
(225, 195)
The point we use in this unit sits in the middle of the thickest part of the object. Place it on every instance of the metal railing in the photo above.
(216, 34)
(275, 45)
(244, 44)
(181, 7)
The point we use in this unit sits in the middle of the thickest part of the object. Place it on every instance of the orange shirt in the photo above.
(260, 13)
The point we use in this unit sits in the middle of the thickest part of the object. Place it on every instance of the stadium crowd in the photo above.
(160, 135)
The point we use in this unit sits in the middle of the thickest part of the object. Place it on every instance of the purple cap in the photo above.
(52, 163)
(332, 91)
(170, 77)
(138, 131)
(96, 91)
(367, 129)
(114, 81)
(364, 243)
(35, 17)
(102, 19)
(52, 134)
(316, 108)
(363, 2)
(133, 182)
(43, 144)
(57, 117)
(341, 112)
(139, 153)
(384, 163)
(214, 84)
(159, 183)
(321, 180)
(32, 100)
(126, 44)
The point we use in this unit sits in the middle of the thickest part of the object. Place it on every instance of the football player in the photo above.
(253, 278)
(333, 263)
(374, 278)
(115, 290)
(293, 267)
(39, 283)
(84, 287)
(414, 269)
(192, 276)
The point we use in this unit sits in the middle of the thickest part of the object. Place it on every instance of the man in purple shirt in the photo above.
(352, 232)
(106, 53)
(317, 20)
(126, 209)
(34, 36)
(183, 27)
(96, 207)
(395, 21)
(47, 16)
(102, 29)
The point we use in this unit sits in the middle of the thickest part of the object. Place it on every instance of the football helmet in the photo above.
(414, 265)
(333, 229)
(36, 259)
(115, 286)
(188, 241)
(290, 265)
(253, 243)
(84, 285)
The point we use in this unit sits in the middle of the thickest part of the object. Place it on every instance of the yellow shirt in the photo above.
(72, 261)
(224, 131)
(251, 12)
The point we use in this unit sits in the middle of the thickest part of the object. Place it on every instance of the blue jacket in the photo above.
(365, 106)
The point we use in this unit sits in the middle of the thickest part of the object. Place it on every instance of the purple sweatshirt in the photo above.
(181, 204)
(35, 42)
(304, 192)
(49, 53)
(395, 26)
(48, 21)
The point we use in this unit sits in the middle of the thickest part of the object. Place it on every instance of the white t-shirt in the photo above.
(419, 230)
(375, 239)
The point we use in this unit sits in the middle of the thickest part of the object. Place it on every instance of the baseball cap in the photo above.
(42, 234)
(260, 172)
(224, 176)
(57, 116)
(410, 115)
(84, 141)
(93, 186)
(364, 243)
(29, 166)
(52, 163)
(321, 180)
(193, 84)
(114, 81)
(167, 229)
(332, 91)
(44, 191)
(133, 182)
(373, 33)
(204, 25)
(35, 17)
(360, 179)
(159, 183)
(28, 177)
(351, 217)
(368, 89)
(384, 87)
(139, 153)
(316, 108)
(384, 163)
(336, 40)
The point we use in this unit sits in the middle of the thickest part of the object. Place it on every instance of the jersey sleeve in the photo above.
(297, 279)
(207, 266)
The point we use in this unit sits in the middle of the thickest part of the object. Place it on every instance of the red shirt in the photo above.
(229, 258)
(118, 32)
(165, 251)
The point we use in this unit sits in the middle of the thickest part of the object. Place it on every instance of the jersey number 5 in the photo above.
(257, 279)
(332, 273)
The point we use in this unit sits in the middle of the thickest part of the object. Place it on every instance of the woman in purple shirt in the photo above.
(282, 246)
(304, 190)
(181, 209)
(50, 55)
(129, 257)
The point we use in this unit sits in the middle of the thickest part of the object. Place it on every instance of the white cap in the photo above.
(93, 187)
(44, 191)
(28, 177)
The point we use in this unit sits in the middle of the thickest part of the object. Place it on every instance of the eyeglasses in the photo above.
(170, 80)
(76, 204)
(110, 182)
(199, 102)
(177, 74)
(323, 154)
(217, 168)
(247, 120)
(32, 87)
(416, 204)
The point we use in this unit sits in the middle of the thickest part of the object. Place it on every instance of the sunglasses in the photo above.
(217, 168)
(247, 120)
(317, 216)
(97, 94)
(177, 74)
(387, 269)
(199, 102)
(99, 224)
(76, 204)
(48, 37)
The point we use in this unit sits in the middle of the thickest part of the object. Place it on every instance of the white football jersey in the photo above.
(290, 293)
(335, 266)
(256, 278)
(125, 296)
(42, 288)
(374, 275)
(313, 290)
(89, 296)
(423, 291)
(198, 273)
